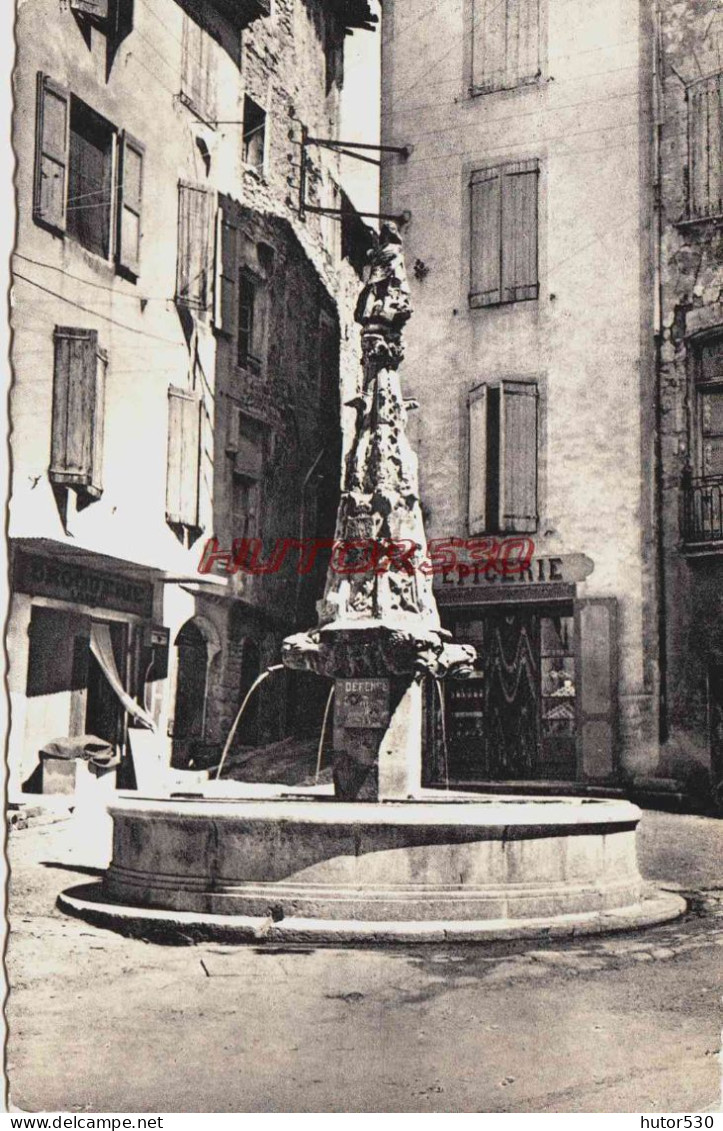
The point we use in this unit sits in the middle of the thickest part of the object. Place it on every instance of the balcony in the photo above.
(241, 13)
(702, 512)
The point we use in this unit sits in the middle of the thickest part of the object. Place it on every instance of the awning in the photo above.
(102, 648)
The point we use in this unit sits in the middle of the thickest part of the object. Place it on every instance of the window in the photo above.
(705, 147)
(503, 243)
(251, 311)
(702, 510)
(333, 54)
(193, 270)
(184, 451)
(709, 388)
(88, 177)
(245, 445)
(254, 134)
(76, 456)
(505, 44)
(503, 458)
(198, 74)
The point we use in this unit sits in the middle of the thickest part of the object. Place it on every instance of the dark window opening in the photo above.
(248, 322)
(254, 134)
(90, 179)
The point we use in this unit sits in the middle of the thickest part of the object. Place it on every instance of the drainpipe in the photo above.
(662, 620)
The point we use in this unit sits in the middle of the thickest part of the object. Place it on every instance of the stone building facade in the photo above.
(178, 335)
(689, 162)
(529, 237)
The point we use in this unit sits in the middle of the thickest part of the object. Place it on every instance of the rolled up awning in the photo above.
(102, 648)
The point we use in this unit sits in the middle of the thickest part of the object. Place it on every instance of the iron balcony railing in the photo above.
(702, 508)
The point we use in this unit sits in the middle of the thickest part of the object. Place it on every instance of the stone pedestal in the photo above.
(377, 738)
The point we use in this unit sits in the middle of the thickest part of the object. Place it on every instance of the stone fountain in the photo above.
(382, 858)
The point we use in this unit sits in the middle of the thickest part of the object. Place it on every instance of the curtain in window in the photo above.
(102, 649)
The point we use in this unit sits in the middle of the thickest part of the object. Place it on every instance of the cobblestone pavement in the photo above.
(627, 1022)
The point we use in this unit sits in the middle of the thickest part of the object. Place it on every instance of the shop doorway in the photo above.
(104, 713)
(516, 719)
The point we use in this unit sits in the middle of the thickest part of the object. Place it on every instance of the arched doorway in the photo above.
(195, 648)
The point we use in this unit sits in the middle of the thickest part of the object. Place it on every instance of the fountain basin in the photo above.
(472, 867)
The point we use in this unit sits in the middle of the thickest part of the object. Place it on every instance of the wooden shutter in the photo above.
(705, 143)
(182, 483)
(477, 471)
(225, 274)
(130, 190)
(489, 44)
(519, 231)
(596, 657)
(485, 245)
(523, 41)
(96, 8)
(194, 245)
(518, 457)
(76, 455)
(505, 43)
(197, 75)
(51, 153)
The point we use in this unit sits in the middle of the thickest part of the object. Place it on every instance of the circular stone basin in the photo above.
(310, 867)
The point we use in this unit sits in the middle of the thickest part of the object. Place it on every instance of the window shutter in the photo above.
(76, 455)
(519, 232)
(96, 8)
(51, 157)
(596, 652)
(477, 472)
(194, 245)
(182, 483)
(485, 238)
(518, 457)
(489, 44)
(130, 189)
(705, 110)
(226, 274)
(523, 41)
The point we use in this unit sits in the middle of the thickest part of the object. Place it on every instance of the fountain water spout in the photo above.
(257, 683)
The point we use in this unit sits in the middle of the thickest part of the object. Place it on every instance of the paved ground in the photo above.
(624, 1023)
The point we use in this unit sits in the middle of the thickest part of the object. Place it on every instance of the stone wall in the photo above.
(691, 290)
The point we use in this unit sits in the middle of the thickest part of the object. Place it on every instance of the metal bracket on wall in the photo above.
(346, 149)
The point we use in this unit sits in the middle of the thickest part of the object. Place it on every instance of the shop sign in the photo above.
(562, 569)
(51, 577)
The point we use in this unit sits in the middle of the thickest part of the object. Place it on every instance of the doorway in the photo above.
(515, 720)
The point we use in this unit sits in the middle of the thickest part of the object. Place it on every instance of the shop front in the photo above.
(541, 705)
(85, 658)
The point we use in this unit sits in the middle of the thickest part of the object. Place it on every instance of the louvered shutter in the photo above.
(51, 157)
(182, 483)
(596, 653)
(76, 455)
(485, 267)
(518, 457)
(130, 191)
(250, 453)
(705, 141)
(194, 245)
(226, 274)
(519, 232)
(477, 472)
